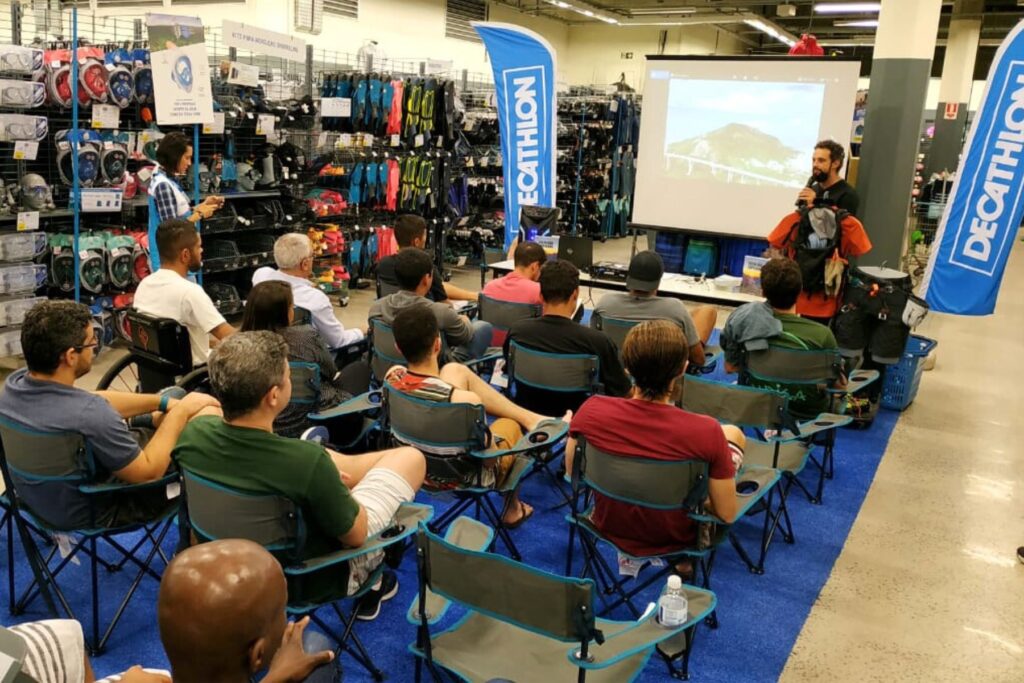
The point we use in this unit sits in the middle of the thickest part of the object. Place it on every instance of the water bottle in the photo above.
(672, 605)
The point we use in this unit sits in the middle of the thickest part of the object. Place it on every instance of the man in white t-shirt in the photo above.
(168, 293)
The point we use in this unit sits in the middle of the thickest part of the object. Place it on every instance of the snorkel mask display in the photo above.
(113, 163)
(22, 94)
(35, 193)
(181, 74)
(89, 145)
(22, 127)
(20, 60)
(248, 177)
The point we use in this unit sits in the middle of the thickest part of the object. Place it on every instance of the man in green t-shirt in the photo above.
(344, 498)
(781, 284)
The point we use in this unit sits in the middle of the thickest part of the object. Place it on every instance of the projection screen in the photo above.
(726, 142)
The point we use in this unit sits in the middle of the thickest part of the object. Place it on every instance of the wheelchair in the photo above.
(160, 356)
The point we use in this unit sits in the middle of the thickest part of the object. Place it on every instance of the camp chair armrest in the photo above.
(406, 520)
(544, 436)
(464, 532)
(355, 349)
(644, 634)
(118, 486)
(858, 380)
(809, 428)
(490, 356)
(363, 403)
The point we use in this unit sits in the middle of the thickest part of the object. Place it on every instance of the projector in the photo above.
(786, 10)
(609, 270)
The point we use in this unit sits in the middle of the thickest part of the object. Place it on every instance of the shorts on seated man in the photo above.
(168, 293)
(59, 343)
(648, 425)
(344, 499)
(642, 302)
(415, 272)
(417, 337)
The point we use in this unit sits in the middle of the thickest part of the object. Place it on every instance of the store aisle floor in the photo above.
(928, 586)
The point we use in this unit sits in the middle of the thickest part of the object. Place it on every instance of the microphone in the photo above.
(801, 204)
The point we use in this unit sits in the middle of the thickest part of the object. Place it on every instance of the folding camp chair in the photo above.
(670, 485)
(502, 314)
(616, 329)
(69, 466)
(215, 511)
(760, 409)
(384, 352)
(525, 624)
(306, 395)
(385, 289)
(777, 367)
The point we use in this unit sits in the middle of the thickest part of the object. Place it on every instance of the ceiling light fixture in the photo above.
(585, 11)
(663, 10)
(862, 23)
(847, 7)
(770, 30)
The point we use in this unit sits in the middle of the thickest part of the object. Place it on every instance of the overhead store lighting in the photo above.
(770, 30)
(847, 7)
(862, 23)
(663, 10)
(585, 11)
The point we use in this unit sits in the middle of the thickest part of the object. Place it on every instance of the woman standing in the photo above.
(166, 198)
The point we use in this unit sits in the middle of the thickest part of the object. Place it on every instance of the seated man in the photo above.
(293, 254)
(59, 342)
(241, 593)
(411, 231)
(417, 337)
(520, 286)
(415, 272)
(344, 498)
(556, 332)
(642, 302)
(757, 325)
(168, 293)
(648, 425)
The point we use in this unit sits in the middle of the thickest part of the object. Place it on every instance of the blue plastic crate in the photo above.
(903, 379)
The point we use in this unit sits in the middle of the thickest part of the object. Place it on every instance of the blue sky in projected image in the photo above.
(789, 111)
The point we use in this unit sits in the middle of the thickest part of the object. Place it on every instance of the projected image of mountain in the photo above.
(741, 131)
(739, 153)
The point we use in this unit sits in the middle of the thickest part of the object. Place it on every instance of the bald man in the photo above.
(222, 618)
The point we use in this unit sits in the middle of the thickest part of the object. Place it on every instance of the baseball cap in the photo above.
(645, 271)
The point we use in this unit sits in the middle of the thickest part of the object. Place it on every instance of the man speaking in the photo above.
(827, 187)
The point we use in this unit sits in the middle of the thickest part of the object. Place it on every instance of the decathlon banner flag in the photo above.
(524, 81)
(987, 201)
(181, 69)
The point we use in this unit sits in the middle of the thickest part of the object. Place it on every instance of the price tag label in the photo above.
(26, 150)
(419, 140)
(614, 106)
(105, 116)
(265, 124)
(28, 220)
(367, 141)
(215, 127)
(243, 74)
(345, 140)
(340, 107)
(484, 162)
(396, 140)
(100, 200)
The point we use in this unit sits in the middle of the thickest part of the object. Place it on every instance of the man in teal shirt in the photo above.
(344, 498)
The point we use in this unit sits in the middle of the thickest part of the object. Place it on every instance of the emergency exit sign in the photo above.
(952, 110)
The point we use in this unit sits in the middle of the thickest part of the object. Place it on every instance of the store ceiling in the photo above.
(998, 17)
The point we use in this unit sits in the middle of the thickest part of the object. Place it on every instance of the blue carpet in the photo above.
(760, 616)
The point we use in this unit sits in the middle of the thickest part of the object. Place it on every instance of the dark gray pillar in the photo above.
(944, 152)
(900, 71)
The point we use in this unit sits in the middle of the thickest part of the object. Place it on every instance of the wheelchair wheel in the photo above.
(197, 380)
(123, 375)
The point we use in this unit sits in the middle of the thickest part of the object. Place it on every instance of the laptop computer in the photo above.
(578, 251)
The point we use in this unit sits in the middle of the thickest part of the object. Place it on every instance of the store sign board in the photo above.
(524, 80)
(181, 69)
(952, 110)
(263, 42)
(987, 201)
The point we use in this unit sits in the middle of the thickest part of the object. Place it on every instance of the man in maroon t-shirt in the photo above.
(647, 425)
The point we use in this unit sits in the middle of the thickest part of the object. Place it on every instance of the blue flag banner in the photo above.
(524, 82)
(985, 206)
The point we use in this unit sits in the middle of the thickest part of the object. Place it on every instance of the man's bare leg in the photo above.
(407, 462)
(494, 402)
(704, 319)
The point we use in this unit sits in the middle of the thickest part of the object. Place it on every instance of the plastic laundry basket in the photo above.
(903, 379)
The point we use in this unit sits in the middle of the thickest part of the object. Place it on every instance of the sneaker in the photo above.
(369, 604)
(1020, 554)
(318, 434)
